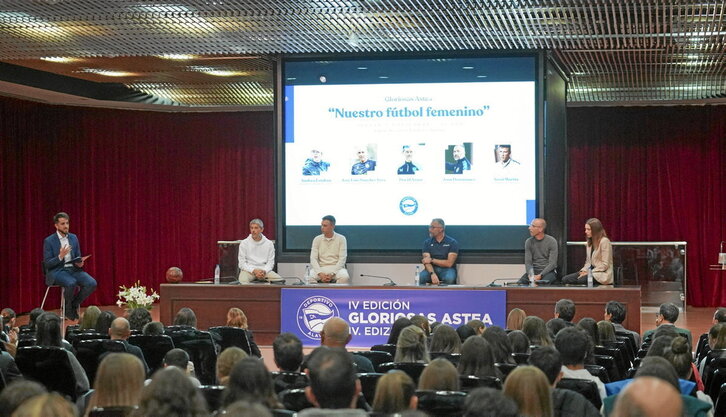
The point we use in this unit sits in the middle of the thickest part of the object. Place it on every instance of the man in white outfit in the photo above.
(328, 254)
(257, 256)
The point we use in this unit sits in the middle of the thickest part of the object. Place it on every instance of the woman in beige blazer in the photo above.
(599, 257)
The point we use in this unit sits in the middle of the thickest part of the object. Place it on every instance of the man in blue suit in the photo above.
(63, 265)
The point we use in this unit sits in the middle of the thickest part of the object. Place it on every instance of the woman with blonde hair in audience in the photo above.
(445, 340)
(226, 361)
(536, 330)
(89, 319)
(529, 388)
(237, 318)
(606, 331)
(395, 393)
(119, 381)
(477, 359)
(439, 375)
(515, 319)
(411, 346)
(46, 405)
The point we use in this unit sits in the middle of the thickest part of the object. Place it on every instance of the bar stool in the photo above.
(63, 299)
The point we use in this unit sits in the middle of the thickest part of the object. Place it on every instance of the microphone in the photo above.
(299, 281)
(505, 280)
(390, 282)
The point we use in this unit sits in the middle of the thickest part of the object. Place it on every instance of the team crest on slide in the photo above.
(313, 313)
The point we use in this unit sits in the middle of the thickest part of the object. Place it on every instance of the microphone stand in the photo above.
(390, 282)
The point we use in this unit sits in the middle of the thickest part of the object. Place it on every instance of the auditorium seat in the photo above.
(368, 382)
(154, 348)
(201, 350)
(413, 369)
(520, 358)
(294, 399)
(598, 371)
(608, 362)
(289, 380)
(390, 348)
(213, 395)
(227, 336)
(441, 403)
(587, 388)
(471, 382)
(505, 368)
(619, 360)
(89, 352)
(451, 357)
(50, 366)
(376, 357)
(719, 409)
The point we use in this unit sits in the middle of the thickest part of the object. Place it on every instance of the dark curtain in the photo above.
(653, 174)
(144, 191)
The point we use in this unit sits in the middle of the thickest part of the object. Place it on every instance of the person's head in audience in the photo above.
(171, 394)
(185, 317)
(679, 355)
(572, 343)
(500, 344)
(615, 312)
(445, 340)
(155, 328)
(606, 332)
(8, 316)
(489, 402)
(138, 318)
(246, 409)
(477, 325)
(119, 381)
(395, 392)
(477, 358)
(434, 325)
(565, 309)
(411, 346)
(46, 405)
(103, 323)
(529, 388)
(665, 331)
(515, 319)
(536, 330)
(34, 314)
(48, 332)
(637, 399)
(717, 336)
(226, 361)
(667, 314)
(288, 351)
(719, 316)
(589, 325)
(659, 345)
(16, 393)
(423, 323)
(236, 318)
(250, 381)
(120, 329)
(519, 341)
(555, 325)
(465, 331)
(89, 318)
(439, 375)
(335, 333)
(547, 360)
(333, 382)
(177, 357)
(398, 325)
(658, 367)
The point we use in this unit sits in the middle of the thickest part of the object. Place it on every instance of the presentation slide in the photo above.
(400, 149)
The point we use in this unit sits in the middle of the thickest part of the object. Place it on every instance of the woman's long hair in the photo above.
(119, 381)
(236, 318)
(477, 358)
(393, 393)
(529, 388)
(598, 232)
(411, 346)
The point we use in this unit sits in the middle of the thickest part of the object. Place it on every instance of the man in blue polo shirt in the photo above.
(439, 256)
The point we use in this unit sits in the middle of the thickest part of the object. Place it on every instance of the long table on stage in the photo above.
(261, 302)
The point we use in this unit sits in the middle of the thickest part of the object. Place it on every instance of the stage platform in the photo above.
(261, 302)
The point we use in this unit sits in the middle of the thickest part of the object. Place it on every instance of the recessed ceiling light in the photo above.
(362, 68)
(177, 57)
(61, 59)
(467, 68)
(383, 77)
(108, 73)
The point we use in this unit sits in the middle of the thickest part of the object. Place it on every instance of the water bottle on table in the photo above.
(589, 277)
(415, 275)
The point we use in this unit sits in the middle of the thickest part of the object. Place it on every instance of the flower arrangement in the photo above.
(136, 297)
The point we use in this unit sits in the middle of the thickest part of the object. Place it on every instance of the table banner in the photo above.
(371, 312)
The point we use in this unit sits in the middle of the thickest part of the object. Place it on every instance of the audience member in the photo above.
(659, 345)
(171, 394)
(500, 344)
(395, 392)
(246, 409)
(411, 346)
(8, 368)
(489, 402)
(515, 319)
(572, 344)
(423, 323)
(336, 334)
(226, 361)
(606, 332)
(89, 319)
(104, 320)
(120, 330)
(288, 352)
(15, 393)
(565, 403)
(180, 359)
(589, 326)
(477, 325)
(716, 340)
(185, 317)
(138, 318)
(398, 325)
(639, 399)
(615, 313)
(45, 405)
(555, 325)
(250, 381)
(33, 316)
(119, 381)
(445, 340)
(439, 375)
(519, 341)
(155, 328)
(680, 356)
(565, 310)
(334, 387)
(465, 331)
(528, 387)
(237, 318)
(536, 330)
(48, 333)
(667, 316)
(477, 359)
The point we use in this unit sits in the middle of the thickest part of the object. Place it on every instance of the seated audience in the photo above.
(423, 323)
(529, 388)
(565, 309)
(120, 330)
(17, 392)
(478, 327)
(572, 344)
(288, 352)
(171, 394)
(606, 332)
(515, 319)
(250, 381)
(48, 333)
(589, 326)
(445, 340)
(138, 318)
(398, 325)
(395, 393)
(336, 334)
(615, 313)
(500, 344)
(334, 387)
(119, 381)
(89, 319)
(716, 340)
(103, 323)
(237, 318)
(439, 375)
(519, 341)
(180, 359)
(477, 359)
(411, 346)
(536, 330)
(565, 403)
(638, 399)
(489, 402)
(555, 325)
(185, 317)
(465, 331)
(667, 316)
(46, 405)
(680, 356)
(226, 361)
(155, 328)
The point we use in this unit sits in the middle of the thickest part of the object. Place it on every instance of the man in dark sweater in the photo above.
(540, 255)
